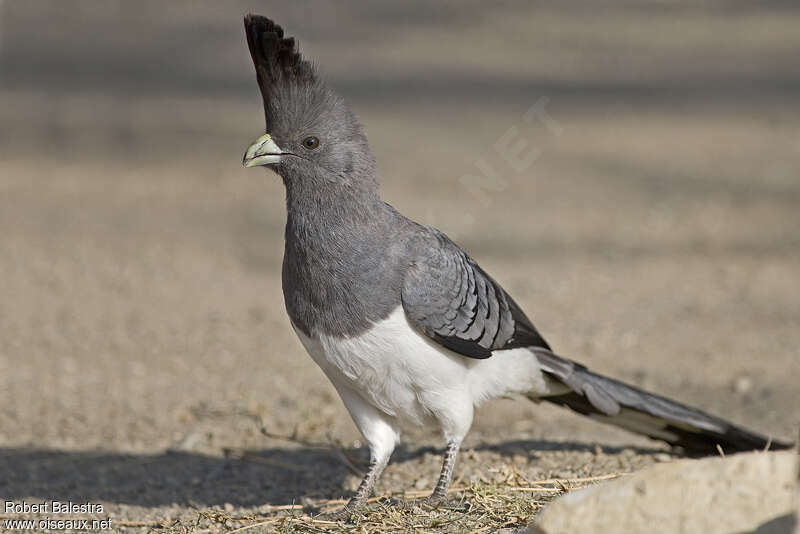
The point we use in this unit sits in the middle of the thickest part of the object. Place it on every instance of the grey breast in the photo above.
(341, 277)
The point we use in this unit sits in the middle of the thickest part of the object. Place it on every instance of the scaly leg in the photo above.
(448, 464)
(381, 435)
(364, 490)
(376, 467)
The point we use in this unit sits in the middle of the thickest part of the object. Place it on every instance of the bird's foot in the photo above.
(394, 502)
(431, 502)
(343, 515)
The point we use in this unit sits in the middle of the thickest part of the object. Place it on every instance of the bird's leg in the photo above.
(448, 464)
(376, 467)
(367, 484)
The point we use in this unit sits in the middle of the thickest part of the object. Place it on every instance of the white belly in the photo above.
(408, 377)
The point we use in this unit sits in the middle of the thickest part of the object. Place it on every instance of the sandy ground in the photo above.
(143, 340)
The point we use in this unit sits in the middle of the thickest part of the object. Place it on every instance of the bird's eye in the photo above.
(311, 142)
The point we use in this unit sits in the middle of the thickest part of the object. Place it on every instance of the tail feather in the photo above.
(617, 403)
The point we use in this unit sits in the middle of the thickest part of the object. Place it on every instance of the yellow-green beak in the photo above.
(263, 151)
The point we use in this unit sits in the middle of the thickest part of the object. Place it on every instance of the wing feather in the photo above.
(449, 298)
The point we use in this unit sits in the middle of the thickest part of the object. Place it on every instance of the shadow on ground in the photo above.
(242, 478)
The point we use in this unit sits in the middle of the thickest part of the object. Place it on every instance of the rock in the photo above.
(737, 494)
(797, 501)
(663, 457)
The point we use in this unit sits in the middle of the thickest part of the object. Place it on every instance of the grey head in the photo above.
(312, 140)
(345, 252)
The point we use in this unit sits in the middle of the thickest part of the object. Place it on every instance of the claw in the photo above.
(343, 515)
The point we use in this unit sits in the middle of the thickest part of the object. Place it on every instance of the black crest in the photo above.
(275, 57)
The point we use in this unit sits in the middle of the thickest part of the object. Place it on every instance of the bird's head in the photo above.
(311, 135)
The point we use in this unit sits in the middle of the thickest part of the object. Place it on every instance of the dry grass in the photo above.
(479, 507)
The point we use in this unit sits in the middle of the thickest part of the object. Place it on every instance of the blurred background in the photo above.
(650, 227)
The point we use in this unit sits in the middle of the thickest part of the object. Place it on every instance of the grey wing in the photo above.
(448, 297)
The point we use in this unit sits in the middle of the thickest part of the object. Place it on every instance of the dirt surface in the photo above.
(650, 230)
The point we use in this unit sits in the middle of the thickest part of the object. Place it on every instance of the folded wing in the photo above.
(448, 297)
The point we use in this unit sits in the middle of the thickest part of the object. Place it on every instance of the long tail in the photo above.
(616, 403)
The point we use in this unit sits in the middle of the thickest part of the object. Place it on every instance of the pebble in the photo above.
(422, 483)
(743, 384)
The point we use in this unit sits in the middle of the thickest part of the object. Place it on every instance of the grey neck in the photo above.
(340, 273)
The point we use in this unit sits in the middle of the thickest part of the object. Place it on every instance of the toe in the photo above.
(343, 515)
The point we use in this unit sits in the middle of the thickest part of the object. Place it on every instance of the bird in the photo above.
(406, 325)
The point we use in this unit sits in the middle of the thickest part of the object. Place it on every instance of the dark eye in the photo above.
(311, 142)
